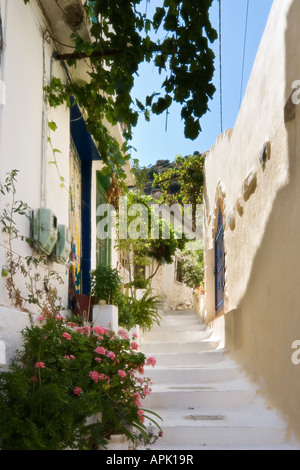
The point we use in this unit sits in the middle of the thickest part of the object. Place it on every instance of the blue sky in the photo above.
(151, 140)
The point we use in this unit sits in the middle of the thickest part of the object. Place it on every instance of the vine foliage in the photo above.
(121, 38)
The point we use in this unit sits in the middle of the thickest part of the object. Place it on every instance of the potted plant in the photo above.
(141, 312)
(105, 290)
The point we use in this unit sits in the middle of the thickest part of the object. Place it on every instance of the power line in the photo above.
(244, 51)
(220, 59)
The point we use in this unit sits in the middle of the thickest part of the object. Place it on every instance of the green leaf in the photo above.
(52, 125)
(192, 128)
(140, 105)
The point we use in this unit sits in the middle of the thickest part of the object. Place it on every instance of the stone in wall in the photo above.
(250, 184)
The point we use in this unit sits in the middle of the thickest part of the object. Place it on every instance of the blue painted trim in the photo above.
(87, 152)
(86, 226)
(83, 140)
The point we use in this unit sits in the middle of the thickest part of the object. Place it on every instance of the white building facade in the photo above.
(59, 171)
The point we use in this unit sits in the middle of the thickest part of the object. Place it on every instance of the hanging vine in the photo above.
(123, 37)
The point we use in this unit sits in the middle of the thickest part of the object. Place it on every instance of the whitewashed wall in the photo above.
(27, 66)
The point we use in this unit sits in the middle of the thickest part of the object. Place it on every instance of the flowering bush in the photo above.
(65, 374)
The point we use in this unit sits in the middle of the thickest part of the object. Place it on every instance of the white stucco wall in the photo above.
(261, 224)
(173, 294)
(237, 152)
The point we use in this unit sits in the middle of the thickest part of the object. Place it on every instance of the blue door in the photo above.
(219, 265)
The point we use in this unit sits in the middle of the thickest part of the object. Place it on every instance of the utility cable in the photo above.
(220, 59)
(244, 51)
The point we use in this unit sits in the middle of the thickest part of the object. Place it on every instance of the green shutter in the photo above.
(103, 247)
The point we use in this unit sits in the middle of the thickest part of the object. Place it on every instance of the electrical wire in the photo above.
(220, 59)
(244, 51)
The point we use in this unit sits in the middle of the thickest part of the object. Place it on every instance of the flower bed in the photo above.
(65, 374)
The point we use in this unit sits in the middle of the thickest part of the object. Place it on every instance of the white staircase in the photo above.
(202, 395)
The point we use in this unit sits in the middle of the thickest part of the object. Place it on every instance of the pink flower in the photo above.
(69, 357)
(134, 345)
(134, 335)
(34, 379)
(59, 317)
(122, 373)
(40, 318)
(39, 365)
(66, 336)
(141, 415)
(123, 334)
(100, 350)
(78, 391)
(84, 329)
(99, 330)
(137, 398)
(111, 355)
(151, 361)
(94, 375)
(103, 377)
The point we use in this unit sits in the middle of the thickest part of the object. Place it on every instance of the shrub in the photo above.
(65, 374)
(142, 312)
(192, 268)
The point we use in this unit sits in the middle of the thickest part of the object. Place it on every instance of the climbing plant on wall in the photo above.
(123, 37)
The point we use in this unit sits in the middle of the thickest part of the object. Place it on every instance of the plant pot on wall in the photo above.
(106, 315)
(116, 442)
(105, 288)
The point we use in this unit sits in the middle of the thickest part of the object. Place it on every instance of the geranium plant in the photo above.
(65, 374)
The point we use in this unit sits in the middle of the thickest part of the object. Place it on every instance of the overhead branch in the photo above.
(84, 55)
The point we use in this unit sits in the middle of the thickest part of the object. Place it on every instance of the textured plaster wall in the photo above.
(262, 218)
(174, 295)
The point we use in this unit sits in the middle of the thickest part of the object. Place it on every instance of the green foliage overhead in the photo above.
(123, 37)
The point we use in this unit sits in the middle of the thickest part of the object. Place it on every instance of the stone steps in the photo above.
(197, 374)
(205, 427)
(202, 395)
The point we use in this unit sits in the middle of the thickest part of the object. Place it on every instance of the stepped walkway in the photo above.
(202, 395)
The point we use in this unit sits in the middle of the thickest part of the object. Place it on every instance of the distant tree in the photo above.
(191, 267)
(141, 175)
(188, 174)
